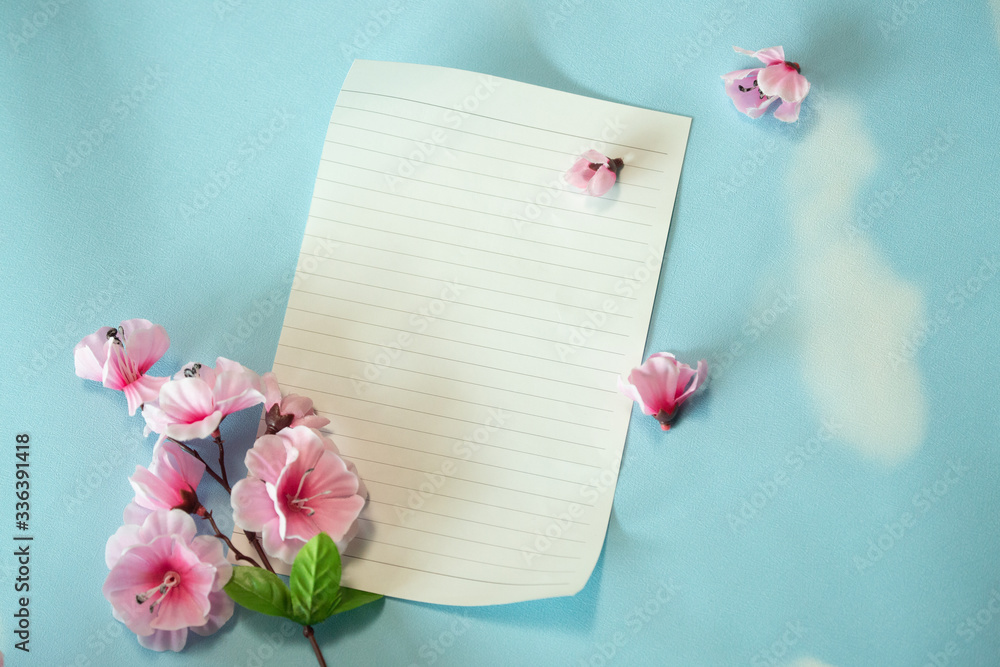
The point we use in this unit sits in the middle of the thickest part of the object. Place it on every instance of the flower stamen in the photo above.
(170, 581)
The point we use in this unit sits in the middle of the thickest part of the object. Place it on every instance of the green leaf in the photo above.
(315, 581)
(352, 599)
(261, 591)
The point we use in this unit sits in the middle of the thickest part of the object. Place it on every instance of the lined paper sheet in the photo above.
(461, 316)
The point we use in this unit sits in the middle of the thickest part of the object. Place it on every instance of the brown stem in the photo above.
(205, 514)
(255, 542)
(217, 437)
(307, 631)
(208, 468)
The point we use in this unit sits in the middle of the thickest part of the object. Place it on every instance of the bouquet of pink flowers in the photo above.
(298, 504)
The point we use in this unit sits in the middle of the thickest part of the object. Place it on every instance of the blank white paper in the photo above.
(461, 316)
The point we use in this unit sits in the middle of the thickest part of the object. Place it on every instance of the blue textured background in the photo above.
(165, 96)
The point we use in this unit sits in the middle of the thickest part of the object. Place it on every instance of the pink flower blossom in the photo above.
(169, 482)
(662, 384)
(120, 357)
(194, 403)
(166, 580)
(753, 90)
(594, 173)
(297, 486)
(288, 411)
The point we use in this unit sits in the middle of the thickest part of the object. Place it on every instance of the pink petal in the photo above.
(187, 400)
(740, 74)
(168, 523)
(128, 327)
(145, 347)
(746, 96)
(221, 611)
(698, 378)
(602, 181)
(165, 640)
(652, 379)
(125, 537)
(272, 392)
(336, 515)
(310, 421)
(268, 456)
(580, 174)
(788, 111)
(152, 492)
(135, 514)
(768, 56)
(252, 507)
(90, 354)
(633, 393)
(196, 430)
(759, 111)
(144, 390)
(783, 81)
(175, 466)
(117, 373)
(275, 546)
(236, 390)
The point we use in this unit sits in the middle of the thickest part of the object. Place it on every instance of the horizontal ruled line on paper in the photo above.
(486, 194)
(479, 287)
(465, 500)
(478, 463)
(467, 363)
(458, 245)
(410, 312)
(482, 231)
(468, 324)
(454, 576)
(449, 398)
(477, 173)
(452, 439)
(475, 482)
(477, 192)
(501, 120)
(471, 560)
(453, 537)
(451, 340)
(458, 518)
(433, 414)
(547, 169)
(502, 217)
(443, 377)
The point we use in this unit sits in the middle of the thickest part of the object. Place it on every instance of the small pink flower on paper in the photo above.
(594, 173)
(662, 384)
(170, 482)
(288, 411)
(297, 486)
(120, 357)
(165, 580)
(194, 403)
(754, 90)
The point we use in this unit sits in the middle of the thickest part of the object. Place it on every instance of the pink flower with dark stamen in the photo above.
(594, 173)
(662, 384)
(166, 580)
(754, 90)
(120, 357)
(297, 486)
(287, 411)
(193, 404)
(170, 482)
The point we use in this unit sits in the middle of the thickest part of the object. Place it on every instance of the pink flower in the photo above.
(297, 486)
(168, 483)
(594, 173)
(194, 403)
(166, 580)
(753, 90)
(288, 411)
(119, 358)
(662, 384)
